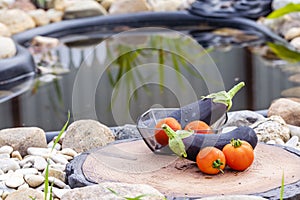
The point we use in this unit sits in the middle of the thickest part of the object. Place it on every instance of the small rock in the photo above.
(289, 110)
(16, 20)
(292, 33)
(272, 128)
(3, 156)
(69, 152)
(57, 146)
(279, 141)
(95, 134)
(27, 171)
(59, 159)
(8, 48)
(54, 15)
(23, 194)
(27, 165)
(24, 186)
(59, 192)
(129, 6)
(234, 197)
(76, 9)
(100, 191)
(25, 5)
(40, 163)
(166, 5)
(4, 30)
(8, 164)
(34, 180)
(60, 167)
(243, 118)
(31, 137)
(292, 142)
(6, 149)
(107, 3)
(295, 130)
(295, 78)
(15, 180)
(59, 5)
(271, 142)
(296, 43)
(39, 16)
(56, 182)
(16, 154)
(43, 152)
(56, 173)
(42, 42)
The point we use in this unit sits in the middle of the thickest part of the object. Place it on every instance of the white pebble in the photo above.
(4, 156)
(279, 141)
(34, 180)
(292, 142)
(26, 171)
(27, 165)
(69, 152)
(6, 150)
(39, 163)
(15, 180)
(59, 159)
(24, 186)
(56, 182)
(271, 142)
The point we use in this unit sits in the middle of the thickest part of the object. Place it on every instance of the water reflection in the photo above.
(45, 104)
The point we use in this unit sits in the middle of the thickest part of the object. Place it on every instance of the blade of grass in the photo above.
(46, 183)
(291, 7)
(282, 187)
(61, 132)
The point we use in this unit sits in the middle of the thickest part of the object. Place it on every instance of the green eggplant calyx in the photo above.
(175, 140)
(225, 97)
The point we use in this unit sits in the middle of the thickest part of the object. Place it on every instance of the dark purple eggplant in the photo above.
(209, 109)
(195, 142)
(187, 144)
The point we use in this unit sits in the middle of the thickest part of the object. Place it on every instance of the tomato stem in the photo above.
(236, 143)
(217, 164)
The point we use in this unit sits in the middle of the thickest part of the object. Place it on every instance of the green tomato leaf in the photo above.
(291, 7)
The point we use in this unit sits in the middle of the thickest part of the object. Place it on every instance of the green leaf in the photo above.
(291, 7)
(282, 187)
(284, 53)
(61, 132)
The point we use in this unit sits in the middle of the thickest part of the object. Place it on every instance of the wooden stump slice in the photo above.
(133, 162)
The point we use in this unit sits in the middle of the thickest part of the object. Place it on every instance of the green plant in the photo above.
(46, 183)
(282, 187)
(291, 7)
(139, 197)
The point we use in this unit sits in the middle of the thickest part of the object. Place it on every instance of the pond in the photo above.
(117, 93)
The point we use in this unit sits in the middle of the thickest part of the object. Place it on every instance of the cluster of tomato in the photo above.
(237, 154)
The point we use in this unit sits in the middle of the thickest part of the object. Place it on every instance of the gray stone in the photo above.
(243, 118)
(16, 20)
(31, 137)
(27, 171)
(39, 16)
(94, 134)
(288, 109)
(296, 43)
(6, 150)
(24, 194)
(8, 48)
(16, 154)
(234, 197)
(129, 6)
(272, 128)
(15, 180)
(100, 191)
(34, 180)
(77, 9)
(8, 164)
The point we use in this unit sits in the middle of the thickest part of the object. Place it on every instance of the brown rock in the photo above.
(25, 5)
(94, 134)
(25, 194)
(16, 20)
(288, 109)
(291, 92)
(129, 6)
(100, 191)
(23, 138)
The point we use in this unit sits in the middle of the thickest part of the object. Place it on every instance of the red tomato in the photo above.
(199, 127)
(239, 154)
(211, 160)
(160, 135)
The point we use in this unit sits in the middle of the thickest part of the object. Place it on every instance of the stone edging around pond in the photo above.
(109, 24)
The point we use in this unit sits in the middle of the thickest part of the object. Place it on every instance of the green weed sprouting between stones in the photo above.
(282, 187)
(139, 197)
